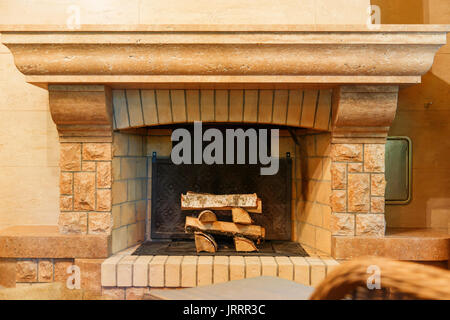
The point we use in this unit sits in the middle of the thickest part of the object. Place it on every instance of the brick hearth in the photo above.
(126, 276)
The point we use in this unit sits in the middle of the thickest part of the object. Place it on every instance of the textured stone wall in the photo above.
(358, 185)
(85, 187)
(313, 192)
(129, 189)
(41, 270)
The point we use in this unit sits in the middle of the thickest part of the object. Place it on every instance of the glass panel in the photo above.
(398, 170)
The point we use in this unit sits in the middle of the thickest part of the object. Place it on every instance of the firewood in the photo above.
(204, 242)
(257, 209)
(225, 228)
(241, 216)
(196, 201)
(207, 216)
(244, 245)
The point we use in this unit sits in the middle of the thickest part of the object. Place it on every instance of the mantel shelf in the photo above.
(218, 54)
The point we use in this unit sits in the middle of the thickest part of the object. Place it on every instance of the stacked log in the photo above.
(242, 229)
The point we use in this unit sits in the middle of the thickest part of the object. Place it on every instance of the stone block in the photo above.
(96, 151)
(60, 269)
(7, 273)
(90, 274)
(318, 270)
(100, 223)
(70, 157)
(66, 203)
(377, 204)
(346, 152)
(109, 271)
(370, 225)
(84, 191)
(252, 267)
(156, 271)
(285, 268)
(237, 268)
(26, 271)
(221, 266)
(140, 271)
(113, 293)
(125, 271)
(135, 293)
(377, 184)
(189, 271)
(339, 201)
(338, 175)
(204, 270)
(104, 174)
(358, 192)
(45, 270)
(342, 224)
(374, 157)
(269, 266)
(72, 222)
(354, 167)
(301, 270)
(88, 166)
(104, 200)
(66, 183)
(173, 271)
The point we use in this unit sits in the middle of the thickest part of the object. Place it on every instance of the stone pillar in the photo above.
(83, 118)
(361, 119)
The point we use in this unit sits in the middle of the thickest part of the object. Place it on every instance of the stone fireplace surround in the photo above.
(110, 87)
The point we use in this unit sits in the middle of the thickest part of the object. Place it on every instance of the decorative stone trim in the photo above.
(231, 54)
(362, 114)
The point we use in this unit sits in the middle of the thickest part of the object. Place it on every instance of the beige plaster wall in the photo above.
(29, 151)
(186, 11)
(428, 125)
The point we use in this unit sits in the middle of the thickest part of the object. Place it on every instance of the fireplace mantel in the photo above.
(278, 55)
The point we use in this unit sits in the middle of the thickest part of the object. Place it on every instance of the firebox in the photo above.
(169, 181)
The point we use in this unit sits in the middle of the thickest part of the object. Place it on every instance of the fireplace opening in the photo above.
(147, 189)
(169, 181)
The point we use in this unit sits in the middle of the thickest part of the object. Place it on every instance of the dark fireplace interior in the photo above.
(169, 181)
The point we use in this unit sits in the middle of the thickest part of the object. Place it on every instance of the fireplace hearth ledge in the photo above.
(124, 273)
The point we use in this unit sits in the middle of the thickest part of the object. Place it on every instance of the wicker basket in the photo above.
(398, 279)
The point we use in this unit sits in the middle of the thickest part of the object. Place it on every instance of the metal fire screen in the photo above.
(169, 181)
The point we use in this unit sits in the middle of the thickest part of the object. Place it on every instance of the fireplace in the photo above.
(296, 200)
(330, 90)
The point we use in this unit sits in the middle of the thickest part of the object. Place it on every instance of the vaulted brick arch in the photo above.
(296, 107)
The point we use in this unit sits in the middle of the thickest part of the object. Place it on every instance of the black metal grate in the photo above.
(226, 248)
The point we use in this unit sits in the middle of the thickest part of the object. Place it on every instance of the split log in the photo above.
(200, 201)
(207, 216)
(257, 209)
(205, 242)
(241, 216)
(244, 245)
(192, 200)
(225, 228)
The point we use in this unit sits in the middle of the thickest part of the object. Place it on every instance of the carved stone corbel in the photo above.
(81, 111)
(363, 114)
